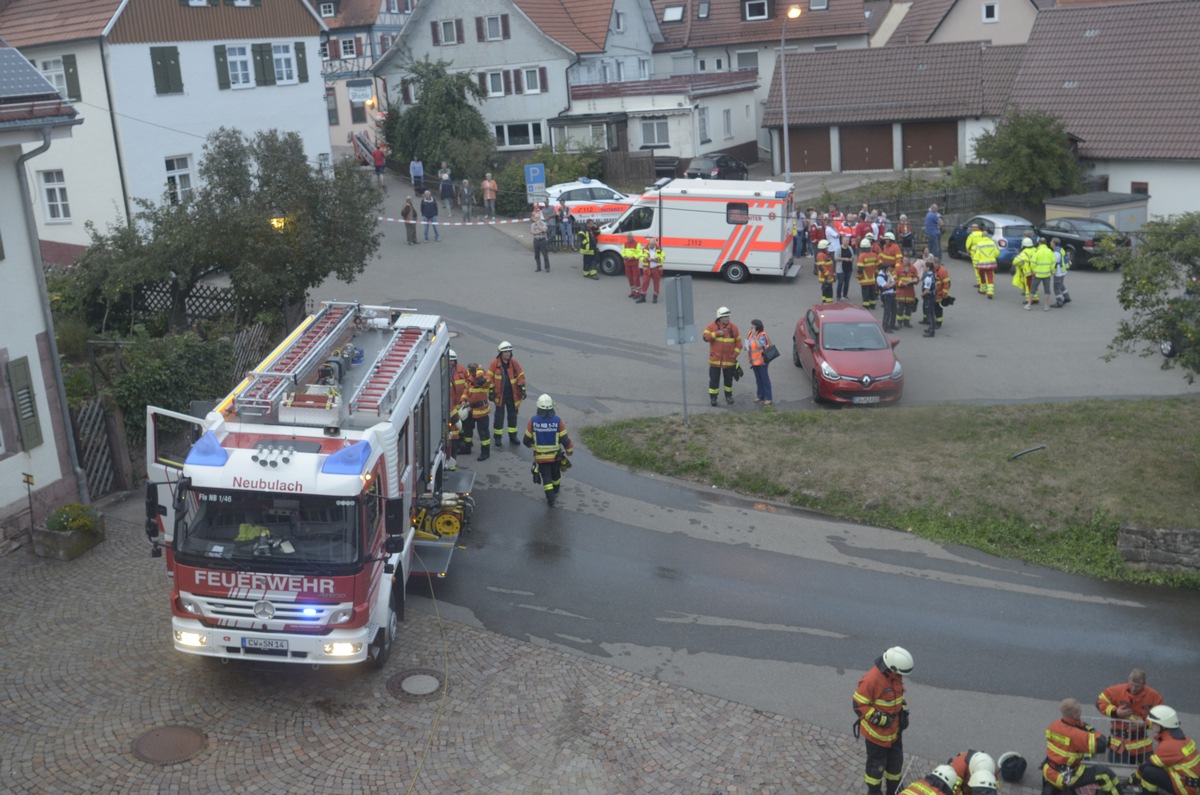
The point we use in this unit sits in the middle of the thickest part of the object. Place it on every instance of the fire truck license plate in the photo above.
(264, 643)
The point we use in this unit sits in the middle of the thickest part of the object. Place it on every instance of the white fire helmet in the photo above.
(946, 774)
(888, 236)
(723, 312)
(504, 346)
(546, 403)
(981, 761)
(982, 781)
(822, 245)
(898, 660)
(1163, 716)
(1026, 243)
(453, 355)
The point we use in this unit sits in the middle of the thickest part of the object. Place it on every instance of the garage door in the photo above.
(867, 147)
(931, 143)
(809, 149)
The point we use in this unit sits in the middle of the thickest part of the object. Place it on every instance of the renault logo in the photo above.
(866, 380)
(264, 610)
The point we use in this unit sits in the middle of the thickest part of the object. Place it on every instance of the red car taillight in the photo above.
(1089, 244)
(716, 172)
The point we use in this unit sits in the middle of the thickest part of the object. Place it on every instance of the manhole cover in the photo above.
(169, 745)
(416, 684)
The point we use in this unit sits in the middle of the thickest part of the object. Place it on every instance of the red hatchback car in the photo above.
(843, 349)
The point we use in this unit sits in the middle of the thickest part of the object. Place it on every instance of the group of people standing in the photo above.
(451, 195)
(725, 345)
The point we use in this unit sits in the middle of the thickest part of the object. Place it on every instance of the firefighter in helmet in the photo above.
(941, 781)
(882, 718)
(547, 434)
(478, 397)
(508, 390)
(1174, 767)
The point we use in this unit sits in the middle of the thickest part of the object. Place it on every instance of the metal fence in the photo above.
(96, 453)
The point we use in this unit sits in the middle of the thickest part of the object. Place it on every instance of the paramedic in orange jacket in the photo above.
(882, 717)
(1174, 768)
(868, 265)
(724, 345)
(1130, 703)
(1069, 741)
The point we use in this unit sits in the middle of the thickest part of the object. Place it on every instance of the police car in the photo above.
(588, 199)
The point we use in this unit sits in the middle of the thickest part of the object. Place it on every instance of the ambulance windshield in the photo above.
(247, 527)
(638, 219)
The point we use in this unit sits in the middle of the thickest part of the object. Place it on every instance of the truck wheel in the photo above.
(735, 272)
(381, 647)
(611, 264)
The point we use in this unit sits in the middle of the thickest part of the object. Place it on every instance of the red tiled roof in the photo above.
(925, 82)
(353, 14)
(920, 21)
(31, 22)
(579, 25)
(1125, 78)
(693, 84)
(724, 24)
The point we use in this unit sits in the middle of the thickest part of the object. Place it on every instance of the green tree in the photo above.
(560, 167)
(1028, 154)
(444, 124)
(1160, 289)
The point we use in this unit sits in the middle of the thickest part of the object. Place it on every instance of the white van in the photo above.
(730, 227)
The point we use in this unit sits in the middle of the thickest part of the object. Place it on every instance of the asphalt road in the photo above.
(765, 606)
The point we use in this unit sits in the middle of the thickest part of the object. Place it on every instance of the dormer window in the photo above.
(672, 14)
(702, 10)
(819, 5)
(327, 10)
(754, 9)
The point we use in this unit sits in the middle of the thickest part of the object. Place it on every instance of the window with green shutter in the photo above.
(301, 62)
(264, 66)
(168, 78)
(20, 381)
(71, 74)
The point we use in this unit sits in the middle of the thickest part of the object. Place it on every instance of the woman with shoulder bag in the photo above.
(762, 353)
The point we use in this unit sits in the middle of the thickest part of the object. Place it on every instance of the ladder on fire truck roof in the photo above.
(377, 393)
(297, 360)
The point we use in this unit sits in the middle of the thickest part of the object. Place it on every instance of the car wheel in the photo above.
(735, 272)
(796, 355)
(953, 250)
(816, 388)
(611, 264)
(1168, 348)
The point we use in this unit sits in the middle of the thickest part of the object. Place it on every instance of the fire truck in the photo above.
(294, 512)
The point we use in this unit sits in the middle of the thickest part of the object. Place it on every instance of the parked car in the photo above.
(589, 199)
(850, 360)
(1011, 229)
(1081, 236)
(717, 165)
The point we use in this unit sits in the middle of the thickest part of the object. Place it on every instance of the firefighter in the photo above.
(724, 345)
(1068, 742)
(891, 254)
(652, 267)
(547, 434)
(587, 247)
(969, 762)
(868, 264)
(478, 396)
(826, 273)
(458, 393)
(883, 717)
(969, 248)
(942, 277)
(632, 255)
(942, 781)
(906, 277)
(983, 256)
(1128, 704)
(1174, 767)
(1042, 265)
(1023, 269)
(508, 390)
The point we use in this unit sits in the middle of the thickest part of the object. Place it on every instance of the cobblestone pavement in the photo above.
(88, 669)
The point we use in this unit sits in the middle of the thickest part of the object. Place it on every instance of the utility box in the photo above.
(1125, 211)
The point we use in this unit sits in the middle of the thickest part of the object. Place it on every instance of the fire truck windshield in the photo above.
(253, 528)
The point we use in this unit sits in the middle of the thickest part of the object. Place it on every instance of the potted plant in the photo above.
(69, 532)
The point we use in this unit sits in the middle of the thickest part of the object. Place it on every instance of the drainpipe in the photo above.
(567, 109)
(44, 295)
(112, 119)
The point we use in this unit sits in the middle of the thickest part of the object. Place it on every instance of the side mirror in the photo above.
(895, 341)
(394, 544)
(153, 509)
(810, 342)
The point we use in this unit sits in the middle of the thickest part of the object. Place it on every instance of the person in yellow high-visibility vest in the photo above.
(1023, 269)
(652, 268)
(984, 254)
(1042, 263)
(969, 248)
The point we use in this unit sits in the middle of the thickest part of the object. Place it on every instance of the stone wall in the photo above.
(1160, 549)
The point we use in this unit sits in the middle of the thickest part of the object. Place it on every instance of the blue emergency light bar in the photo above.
(207, 452)
(349, 460)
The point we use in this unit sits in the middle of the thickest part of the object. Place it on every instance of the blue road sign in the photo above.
(535, 173)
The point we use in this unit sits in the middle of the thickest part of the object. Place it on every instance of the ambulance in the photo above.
(732, 228)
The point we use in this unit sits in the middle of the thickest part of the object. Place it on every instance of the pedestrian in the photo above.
(1069, 741)
(478, 397)
(868, 270)
(1062, 264)
(941, 781)
(1174, 768)
(429, 212)
(724, 345)
(489, 188)
(416, 173)
(446, 189)
(826, 272)
(833, 234)
(587, 247)
(845, 267)
(508, 390)
(882, 714)
(799, 234)
(1128, 703)
(631, 255)
(885, 285)
(757, 343)
(379, 158)
(1042, 263)
(566, 234)
(933, 230)
(652, 267)
(466, 199)
(409, 215)
(984, 254)
(904, 232)
(547, 434)
(906, 276)
(541, 246)
(929, 297)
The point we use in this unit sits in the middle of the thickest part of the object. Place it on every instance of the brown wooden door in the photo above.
(930, 143)
(809, 149)
(866, 147)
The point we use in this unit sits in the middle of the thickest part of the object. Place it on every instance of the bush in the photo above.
(73, 517)
(560, 167)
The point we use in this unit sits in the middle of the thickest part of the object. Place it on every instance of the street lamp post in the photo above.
(793, 13)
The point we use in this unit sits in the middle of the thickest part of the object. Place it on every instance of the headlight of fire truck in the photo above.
(341, 616)
(341, 649)
(191, 639)
(189, 605)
